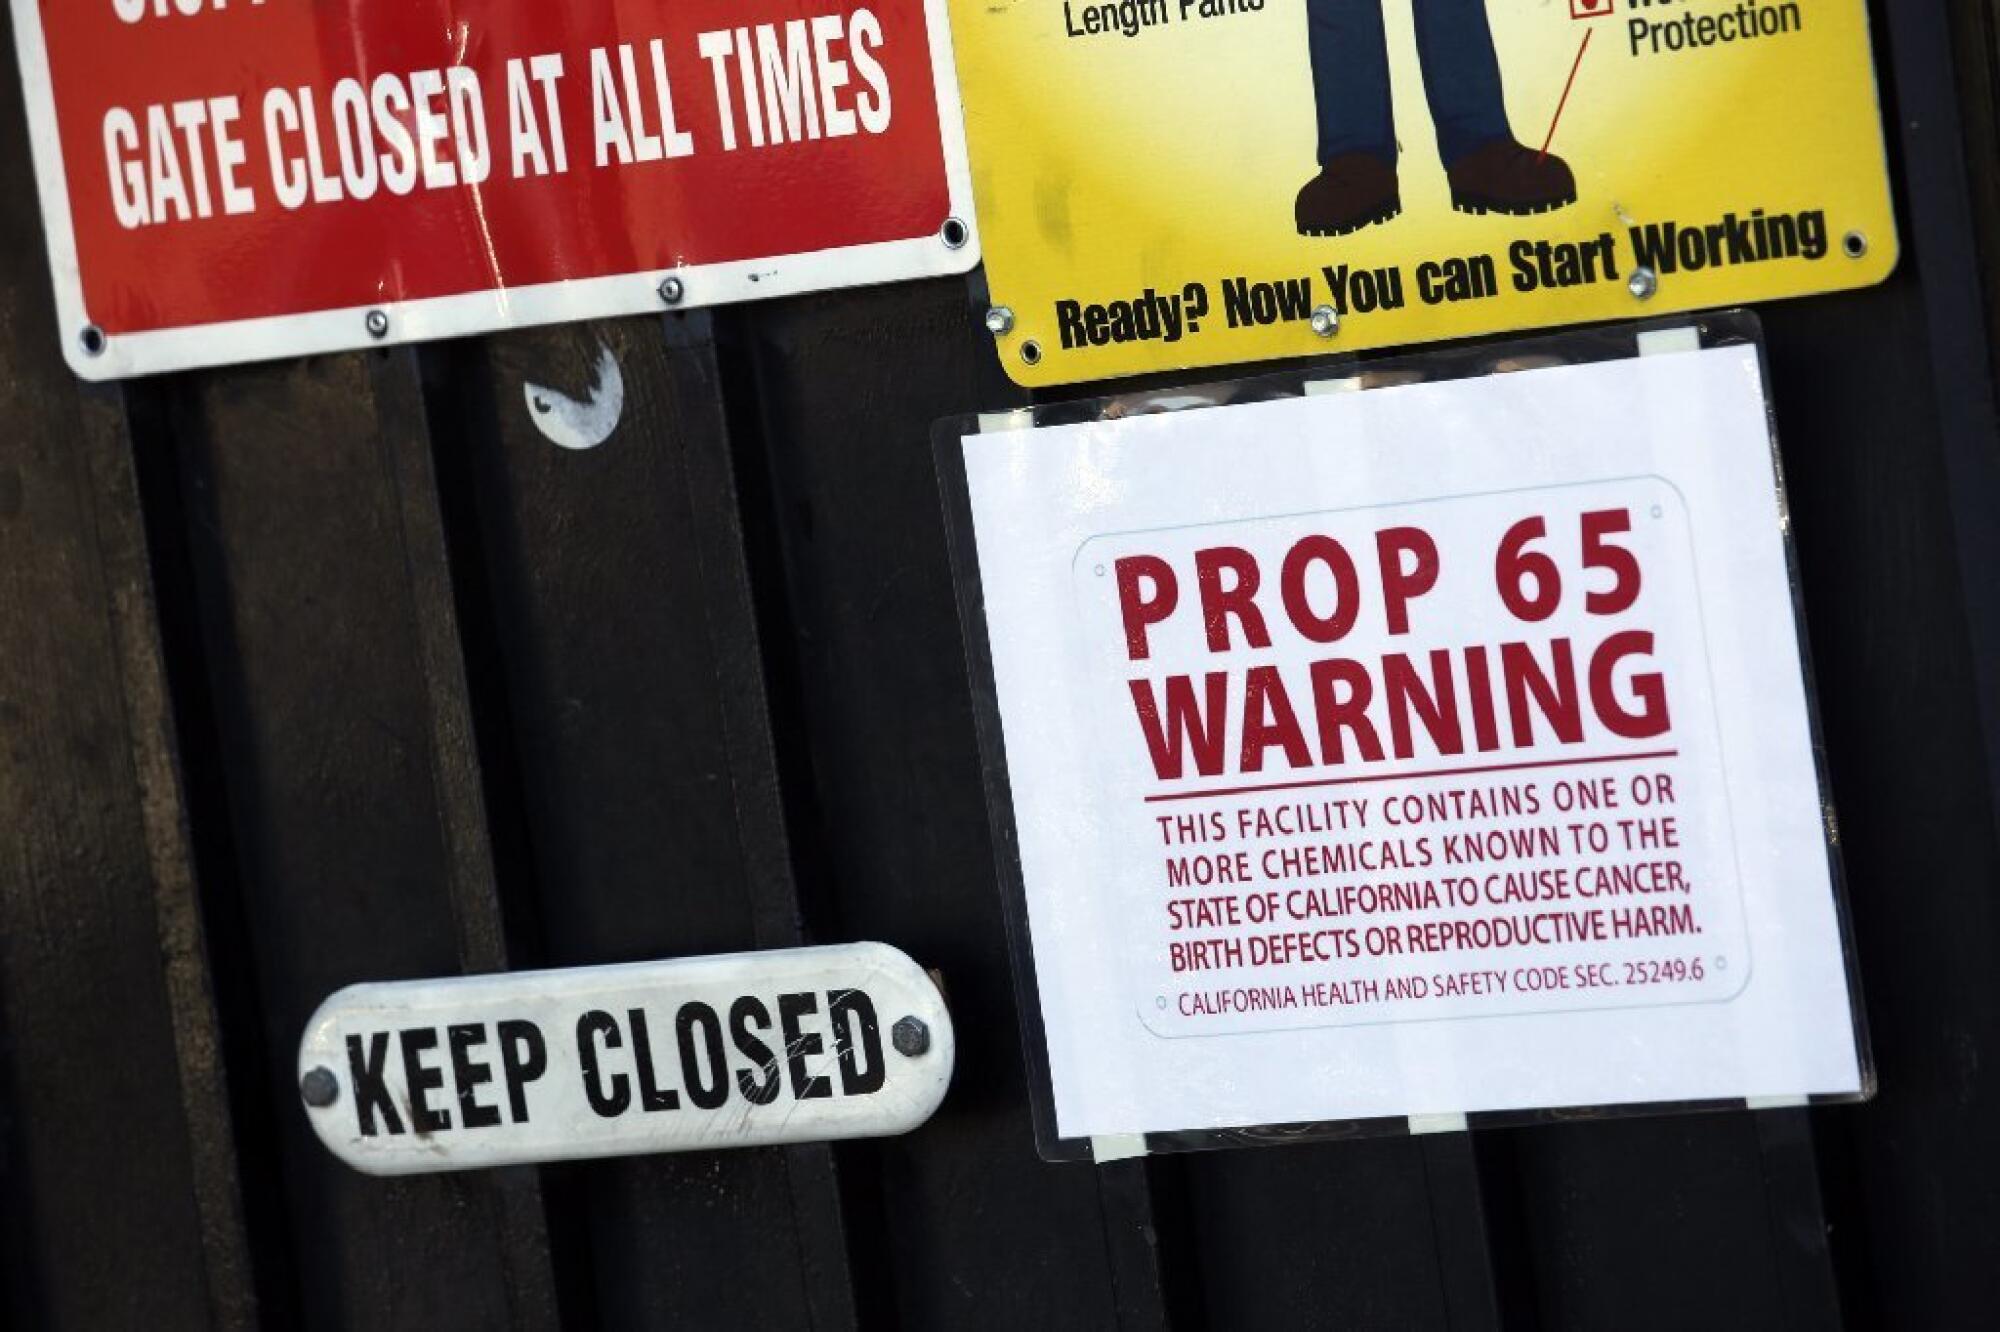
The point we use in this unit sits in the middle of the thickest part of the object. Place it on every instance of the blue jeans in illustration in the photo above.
(1350, 66)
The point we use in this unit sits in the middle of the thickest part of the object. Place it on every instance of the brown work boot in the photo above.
(1504, 177)
(1352, 191)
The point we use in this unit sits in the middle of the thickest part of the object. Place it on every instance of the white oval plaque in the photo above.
(739, 1050)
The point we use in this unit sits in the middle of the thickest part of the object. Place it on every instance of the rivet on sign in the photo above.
(999, 321)
(93, 340)
(910, 1036)
(954, 234)
(1854, 244)
(1643, 283)
(1031, 352)
(1325, 320)
(319, 1088)
(672, 290)
(378, 324)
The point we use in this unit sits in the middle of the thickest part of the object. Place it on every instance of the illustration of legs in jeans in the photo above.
(1489, 171)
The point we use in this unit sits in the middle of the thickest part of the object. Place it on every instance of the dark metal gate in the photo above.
(338, 669)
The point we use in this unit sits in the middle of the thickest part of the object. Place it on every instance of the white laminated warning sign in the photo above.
(1424, 749)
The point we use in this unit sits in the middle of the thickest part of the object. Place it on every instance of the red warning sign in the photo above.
(228, 180)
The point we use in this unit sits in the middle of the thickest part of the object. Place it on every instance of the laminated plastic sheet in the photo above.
(1392, 747)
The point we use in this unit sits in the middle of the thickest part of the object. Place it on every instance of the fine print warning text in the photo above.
(1423, 762)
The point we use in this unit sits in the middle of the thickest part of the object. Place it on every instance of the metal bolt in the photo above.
(910, 1036)
(378, 324)
(672, 290)
(999, 321)
(1325, 320)
(319, 1088)
(1643, 283)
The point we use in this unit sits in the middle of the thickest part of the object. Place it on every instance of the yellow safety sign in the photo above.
(1164, 184)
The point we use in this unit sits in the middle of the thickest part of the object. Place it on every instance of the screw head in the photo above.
(672, 290)
(1325, 320)
(378, 324)
(910, 1037)
(1643, 283)
(319, 1087)
(999, 321)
